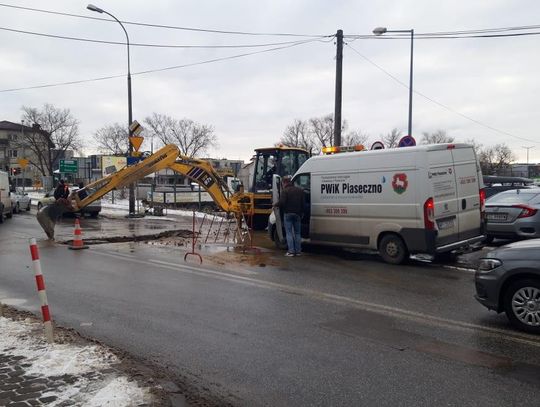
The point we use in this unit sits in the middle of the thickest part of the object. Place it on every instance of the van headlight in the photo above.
(486, 265)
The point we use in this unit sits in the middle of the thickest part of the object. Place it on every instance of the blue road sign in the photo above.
(407, 141)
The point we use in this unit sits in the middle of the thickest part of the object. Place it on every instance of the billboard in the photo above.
(111, 164)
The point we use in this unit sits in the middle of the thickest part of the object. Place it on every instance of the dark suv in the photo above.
(508, 279)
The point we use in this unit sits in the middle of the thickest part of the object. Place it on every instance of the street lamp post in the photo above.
(383, 30)
(91, 7)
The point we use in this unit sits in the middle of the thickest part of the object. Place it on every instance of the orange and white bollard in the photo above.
(78, 243)
(47, 323)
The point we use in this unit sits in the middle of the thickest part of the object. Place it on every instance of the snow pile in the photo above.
(24, 338)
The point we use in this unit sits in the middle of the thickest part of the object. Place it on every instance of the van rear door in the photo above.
(468, 192)
(443, 188)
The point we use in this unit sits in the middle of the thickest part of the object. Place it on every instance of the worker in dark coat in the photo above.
(291, 203)
(61, 191)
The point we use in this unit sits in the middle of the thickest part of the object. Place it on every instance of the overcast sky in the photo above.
(250, 100)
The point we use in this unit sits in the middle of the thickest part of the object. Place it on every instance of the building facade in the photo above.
(15, 156)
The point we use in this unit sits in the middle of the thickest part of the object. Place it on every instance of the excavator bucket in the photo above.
(48, 215)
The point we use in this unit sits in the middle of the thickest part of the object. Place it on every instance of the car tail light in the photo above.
(526, 211)
(429, 214)
(482, 194)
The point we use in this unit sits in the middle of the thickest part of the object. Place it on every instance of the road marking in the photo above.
(395, 312)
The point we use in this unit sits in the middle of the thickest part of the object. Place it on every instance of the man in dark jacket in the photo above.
(61, 191)
(291, 203)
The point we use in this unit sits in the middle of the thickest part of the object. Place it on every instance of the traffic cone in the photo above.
(78, 243)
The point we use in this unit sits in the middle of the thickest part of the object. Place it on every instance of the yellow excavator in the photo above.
(254, 205)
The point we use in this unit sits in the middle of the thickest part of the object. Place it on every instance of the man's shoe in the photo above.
(289, 254)
(298, 254)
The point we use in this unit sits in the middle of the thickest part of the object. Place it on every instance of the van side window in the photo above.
(303, 181)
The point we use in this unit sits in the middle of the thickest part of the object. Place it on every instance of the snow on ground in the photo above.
(24, 338)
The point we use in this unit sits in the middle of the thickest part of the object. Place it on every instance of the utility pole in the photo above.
(528, 148)
(339, 86)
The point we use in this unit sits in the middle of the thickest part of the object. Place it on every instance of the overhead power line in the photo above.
(439, 103)
(209, 61)
(429, 36)
(134, 44)
(172, 27)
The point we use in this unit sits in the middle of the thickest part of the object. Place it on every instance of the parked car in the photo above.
(19, 201)
(508, 280)
(93, 209)
(495, 184)
(513, 214)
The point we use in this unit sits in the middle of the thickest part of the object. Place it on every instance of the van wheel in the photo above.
(17, 208)
(9, 215)
(393, 250)
(522, 305)
(39, 206)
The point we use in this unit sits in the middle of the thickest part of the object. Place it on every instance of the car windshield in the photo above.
(513, 197)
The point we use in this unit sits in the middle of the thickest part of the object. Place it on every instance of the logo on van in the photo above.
(400, 183)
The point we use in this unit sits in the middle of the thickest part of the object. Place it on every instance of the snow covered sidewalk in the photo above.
(70, 372)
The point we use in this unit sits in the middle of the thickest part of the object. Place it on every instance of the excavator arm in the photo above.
(159, 160)
(199, 171)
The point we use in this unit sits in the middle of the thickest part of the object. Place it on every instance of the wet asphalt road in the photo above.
(329, 328)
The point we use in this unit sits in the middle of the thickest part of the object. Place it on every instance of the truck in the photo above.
(424, 199)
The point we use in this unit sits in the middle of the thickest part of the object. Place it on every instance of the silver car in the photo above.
(19, 201)
(513, 214)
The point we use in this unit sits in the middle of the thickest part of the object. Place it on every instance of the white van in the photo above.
(5, 199)
(424, 199)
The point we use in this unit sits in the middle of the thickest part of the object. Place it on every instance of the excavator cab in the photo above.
(275, 161)
(281, 161)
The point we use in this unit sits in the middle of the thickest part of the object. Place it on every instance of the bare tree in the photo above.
(298, 135)
(192, 138)
(391, 140)
(322, 129)
(56, 132)
(437, 137)
(495, 158)
(354, 138)
(112, 139)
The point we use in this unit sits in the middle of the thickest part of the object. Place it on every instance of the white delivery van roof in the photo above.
(373, 159)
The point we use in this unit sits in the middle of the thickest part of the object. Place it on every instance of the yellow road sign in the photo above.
(23, 162)
(136, 142)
